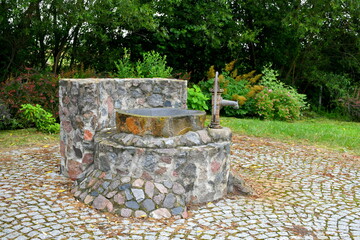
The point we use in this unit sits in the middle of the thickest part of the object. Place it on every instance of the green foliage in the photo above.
(34, 33)
(335, 85)
(270, 99)
(31, 87)
(241, 88)
(152, 65)
(196, 99)
(195, 34)
(351, 105)
(278, 101)
(124, 66)
(43, 120)
(308, 41)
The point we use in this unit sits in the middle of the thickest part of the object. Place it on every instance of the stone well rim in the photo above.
(154, 112)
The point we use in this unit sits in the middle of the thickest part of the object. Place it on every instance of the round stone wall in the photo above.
(179, 170)
(198, 160)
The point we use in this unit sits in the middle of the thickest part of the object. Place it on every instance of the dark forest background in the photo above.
(313, 44)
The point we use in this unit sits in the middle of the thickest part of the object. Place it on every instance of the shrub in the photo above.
(124, 66)
(352, 105)
(196, 99)
(7, 121)
(241, 88)
(152, 65)
(278, 101)
(267, 98)
(31, 87)
(41, 119)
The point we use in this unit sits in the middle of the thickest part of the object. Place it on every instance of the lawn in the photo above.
(26, 137)
(337, 135)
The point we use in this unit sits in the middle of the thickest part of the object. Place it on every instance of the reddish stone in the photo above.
(92, 182)
(166, 159)
(65, 112)
(74, 169)
(140, 151)
(149, 189)
(161, 170)
(100, 202)
(146, 176)
(88, 158)
(110, 104)
(175, 174)
(62, 148)
(102, 175)
(215, 166)
(79, 122)
(119, 199)
(88, 136)
(67, 126)
(66, 100)
(185, 214)
(109, 206)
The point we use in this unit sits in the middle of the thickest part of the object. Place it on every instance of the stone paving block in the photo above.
(265, 211)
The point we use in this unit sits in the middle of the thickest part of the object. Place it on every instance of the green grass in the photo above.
(337, 135)
(26, 137)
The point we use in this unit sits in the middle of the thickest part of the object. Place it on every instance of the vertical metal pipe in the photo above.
(215, 102)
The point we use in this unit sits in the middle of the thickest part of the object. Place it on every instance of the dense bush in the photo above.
(31, 87)
(241, 88)
(278, 101)
(41, 119)
(152, 65)
(352, 105)
(196, 99)
(267, 98)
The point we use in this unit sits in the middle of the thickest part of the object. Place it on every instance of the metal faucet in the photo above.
(217, 103)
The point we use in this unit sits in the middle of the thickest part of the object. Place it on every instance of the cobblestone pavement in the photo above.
(302, 193)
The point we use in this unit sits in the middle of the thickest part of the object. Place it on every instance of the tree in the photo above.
(193, 34)
(64, 31)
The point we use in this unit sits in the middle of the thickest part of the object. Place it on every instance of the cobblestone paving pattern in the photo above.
(302, 193)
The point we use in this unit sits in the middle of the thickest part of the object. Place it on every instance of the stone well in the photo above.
(134, 150)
